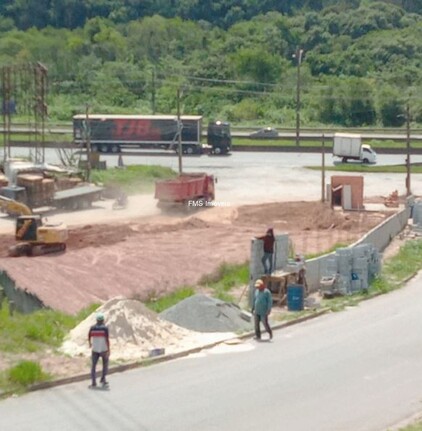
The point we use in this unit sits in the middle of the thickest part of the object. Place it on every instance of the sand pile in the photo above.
(204, 314)
(135, 331)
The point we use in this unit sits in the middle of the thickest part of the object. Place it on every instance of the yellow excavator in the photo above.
(32, 236)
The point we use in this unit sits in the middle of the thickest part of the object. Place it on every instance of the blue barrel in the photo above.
(295, 297)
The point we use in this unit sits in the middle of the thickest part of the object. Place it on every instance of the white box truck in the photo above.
(349, 147)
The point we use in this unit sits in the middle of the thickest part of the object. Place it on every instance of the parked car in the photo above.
(267, 132)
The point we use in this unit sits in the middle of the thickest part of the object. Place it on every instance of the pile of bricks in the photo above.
(64, 183)
(3, 181)
(39, 190)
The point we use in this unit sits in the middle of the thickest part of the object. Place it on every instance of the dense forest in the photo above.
(355, 62)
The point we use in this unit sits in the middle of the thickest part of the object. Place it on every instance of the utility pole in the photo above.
(179, 132)
(408, 188)
(298, 56)
(88, 144)
(153, 91)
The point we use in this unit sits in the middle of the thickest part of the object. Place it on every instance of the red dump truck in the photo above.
(189, 190)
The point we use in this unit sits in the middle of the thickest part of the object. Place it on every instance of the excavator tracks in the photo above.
(34, 249)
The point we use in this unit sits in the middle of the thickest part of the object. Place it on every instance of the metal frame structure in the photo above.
(23, 96)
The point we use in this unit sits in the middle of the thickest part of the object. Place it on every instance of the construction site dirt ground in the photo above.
(146, 257)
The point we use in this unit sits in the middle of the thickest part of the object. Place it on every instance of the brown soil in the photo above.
(150, 256)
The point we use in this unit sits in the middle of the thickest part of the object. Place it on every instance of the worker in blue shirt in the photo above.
(261, 308)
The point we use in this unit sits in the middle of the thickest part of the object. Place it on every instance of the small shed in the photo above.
(347, 191)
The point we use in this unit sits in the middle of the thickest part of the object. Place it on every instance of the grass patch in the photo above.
(406, 263)
(221, 282)
(265, 142)
(160, 304)
(33, 332)
(26, 373)
(133, 179)
(330, 250)
(48, 137)
(394, 274)
(291, 142)
(360, 167)
(413, 427)
(226, 277)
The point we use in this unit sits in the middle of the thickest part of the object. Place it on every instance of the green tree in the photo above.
(391, 107)
(347, 102)
(257, 65)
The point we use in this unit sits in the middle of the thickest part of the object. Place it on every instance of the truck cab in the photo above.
(368, 155)
(219, 137)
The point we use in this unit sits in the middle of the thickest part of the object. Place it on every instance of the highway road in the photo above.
(356, 370)
(306, 133)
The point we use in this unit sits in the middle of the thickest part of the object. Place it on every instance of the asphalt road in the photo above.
(247, 178)
(357, 370)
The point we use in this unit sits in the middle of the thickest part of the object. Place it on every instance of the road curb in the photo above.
(164, 358)
(156, 360)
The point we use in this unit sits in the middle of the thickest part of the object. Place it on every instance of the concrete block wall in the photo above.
(379, 237)
(24, 301)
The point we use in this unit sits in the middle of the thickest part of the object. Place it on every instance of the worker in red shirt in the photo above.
(267, 259)
(99, 342)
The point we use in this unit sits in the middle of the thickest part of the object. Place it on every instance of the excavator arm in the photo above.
(13, 207)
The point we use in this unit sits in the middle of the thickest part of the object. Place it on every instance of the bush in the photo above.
(26, 373)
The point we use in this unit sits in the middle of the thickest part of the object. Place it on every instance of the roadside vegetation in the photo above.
(291, 142)
(233, 60)
(417, 426)
(24, 334)
(362, 167)
(219, 284)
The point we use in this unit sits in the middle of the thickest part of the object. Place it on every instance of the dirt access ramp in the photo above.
(144, 258)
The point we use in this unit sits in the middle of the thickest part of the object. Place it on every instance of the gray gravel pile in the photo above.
(204, 314)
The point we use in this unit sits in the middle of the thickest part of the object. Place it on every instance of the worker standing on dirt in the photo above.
(261, 309)
(99, 342)
(267, 259)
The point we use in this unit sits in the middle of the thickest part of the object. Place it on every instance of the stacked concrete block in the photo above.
(331, 266)
(344, 264)
(357, 266)
(374, 265)
(417, 213)
(281, 251)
